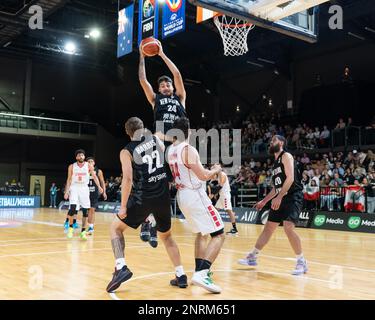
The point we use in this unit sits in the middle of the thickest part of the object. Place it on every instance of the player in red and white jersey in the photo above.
(224, 201)
(78, 192)
(203, 218)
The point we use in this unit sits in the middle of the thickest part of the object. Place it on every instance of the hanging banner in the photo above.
(148, 19)
(125, 31)
(173, 17)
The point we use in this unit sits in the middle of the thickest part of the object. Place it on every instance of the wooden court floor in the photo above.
(38, 262)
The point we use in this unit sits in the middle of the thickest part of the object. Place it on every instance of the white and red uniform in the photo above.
(79, 192)
(224, 201)
(191, 195)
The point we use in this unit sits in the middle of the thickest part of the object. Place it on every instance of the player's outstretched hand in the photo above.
(66, 196)
(105, 196)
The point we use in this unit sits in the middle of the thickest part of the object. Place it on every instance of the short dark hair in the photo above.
(132, 125)
(79, 151)
(164, 79)
(281, 138)
(182, 124)
(90, 158)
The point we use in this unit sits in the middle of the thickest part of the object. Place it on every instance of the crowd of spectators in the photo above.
(12, 188)
(321, 173)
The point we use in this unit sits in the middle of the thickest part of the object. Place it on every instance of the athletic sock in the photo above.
(179, 271)
(198, 262)
(205, 265)
(91, 225)
(255, 252)
(70, 226)
(74, 221)
(234, 226)
(120, 262)
(67, 220)
(83, 229)
(300, 256)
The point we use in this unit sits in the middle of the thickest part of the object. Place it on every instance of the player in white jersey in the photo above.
(224, 201)
(78, 192)
(189, 174)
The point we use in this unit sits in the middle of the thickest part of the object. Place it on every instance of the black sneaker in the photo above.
(233, 231)
(180, 282)
(145, 231)
(153, 237)
(119, 276)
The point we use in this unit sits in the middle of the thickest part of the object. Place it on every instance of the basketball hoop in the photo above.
(234, 33)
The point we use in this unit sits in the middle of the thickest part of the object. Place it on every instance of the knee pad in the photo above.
(73, 210)
(85, 213)
(217, 233)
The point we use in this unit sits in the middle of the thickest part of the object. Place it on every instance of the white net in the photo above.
(234, 34)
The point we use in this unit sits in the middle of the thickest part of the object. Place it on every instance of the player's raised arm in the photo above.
(146, 86)
(177, 77)
(68, 182)
(191, 159)
(127, 178)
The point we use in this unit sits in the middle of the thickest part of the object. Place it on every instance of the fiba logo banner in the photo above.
(148, 8)
(148, 19)
(173, 17)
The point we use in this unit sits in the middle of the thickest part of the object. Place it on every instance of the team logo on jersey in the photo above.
(174, 5)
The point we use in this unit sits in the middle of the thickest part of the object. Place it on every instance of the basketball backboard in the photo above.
(296, 18)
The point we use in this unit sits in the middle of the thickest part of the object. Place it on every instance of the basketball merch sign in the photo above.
(173, 17)
(148, 19)
(125, 31)
(19, 202)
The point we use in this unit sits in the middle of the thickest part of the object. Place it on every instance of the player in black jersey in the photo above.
(94, 194)
(168, 105)
(286, 205)
(142, 167)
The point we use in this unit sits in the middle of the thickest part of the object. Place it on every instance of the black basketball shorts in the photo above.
(289, 210)
(139, 209)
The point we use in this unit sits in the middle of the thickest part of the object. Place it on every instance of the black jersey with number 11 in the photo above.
(149, 176)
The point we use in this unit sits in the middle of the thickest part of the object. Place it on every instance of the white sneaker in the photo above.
(203, 279)
(301, 267)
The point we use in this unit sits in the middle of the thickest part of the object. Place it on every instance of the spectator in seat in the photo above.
(336, 181)
(369, 185)
(349, 177)
(324, 137)
(305, 159)
(341, 124)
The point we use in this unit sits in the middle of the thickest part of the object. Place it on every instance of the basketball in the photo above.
(150, 47)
